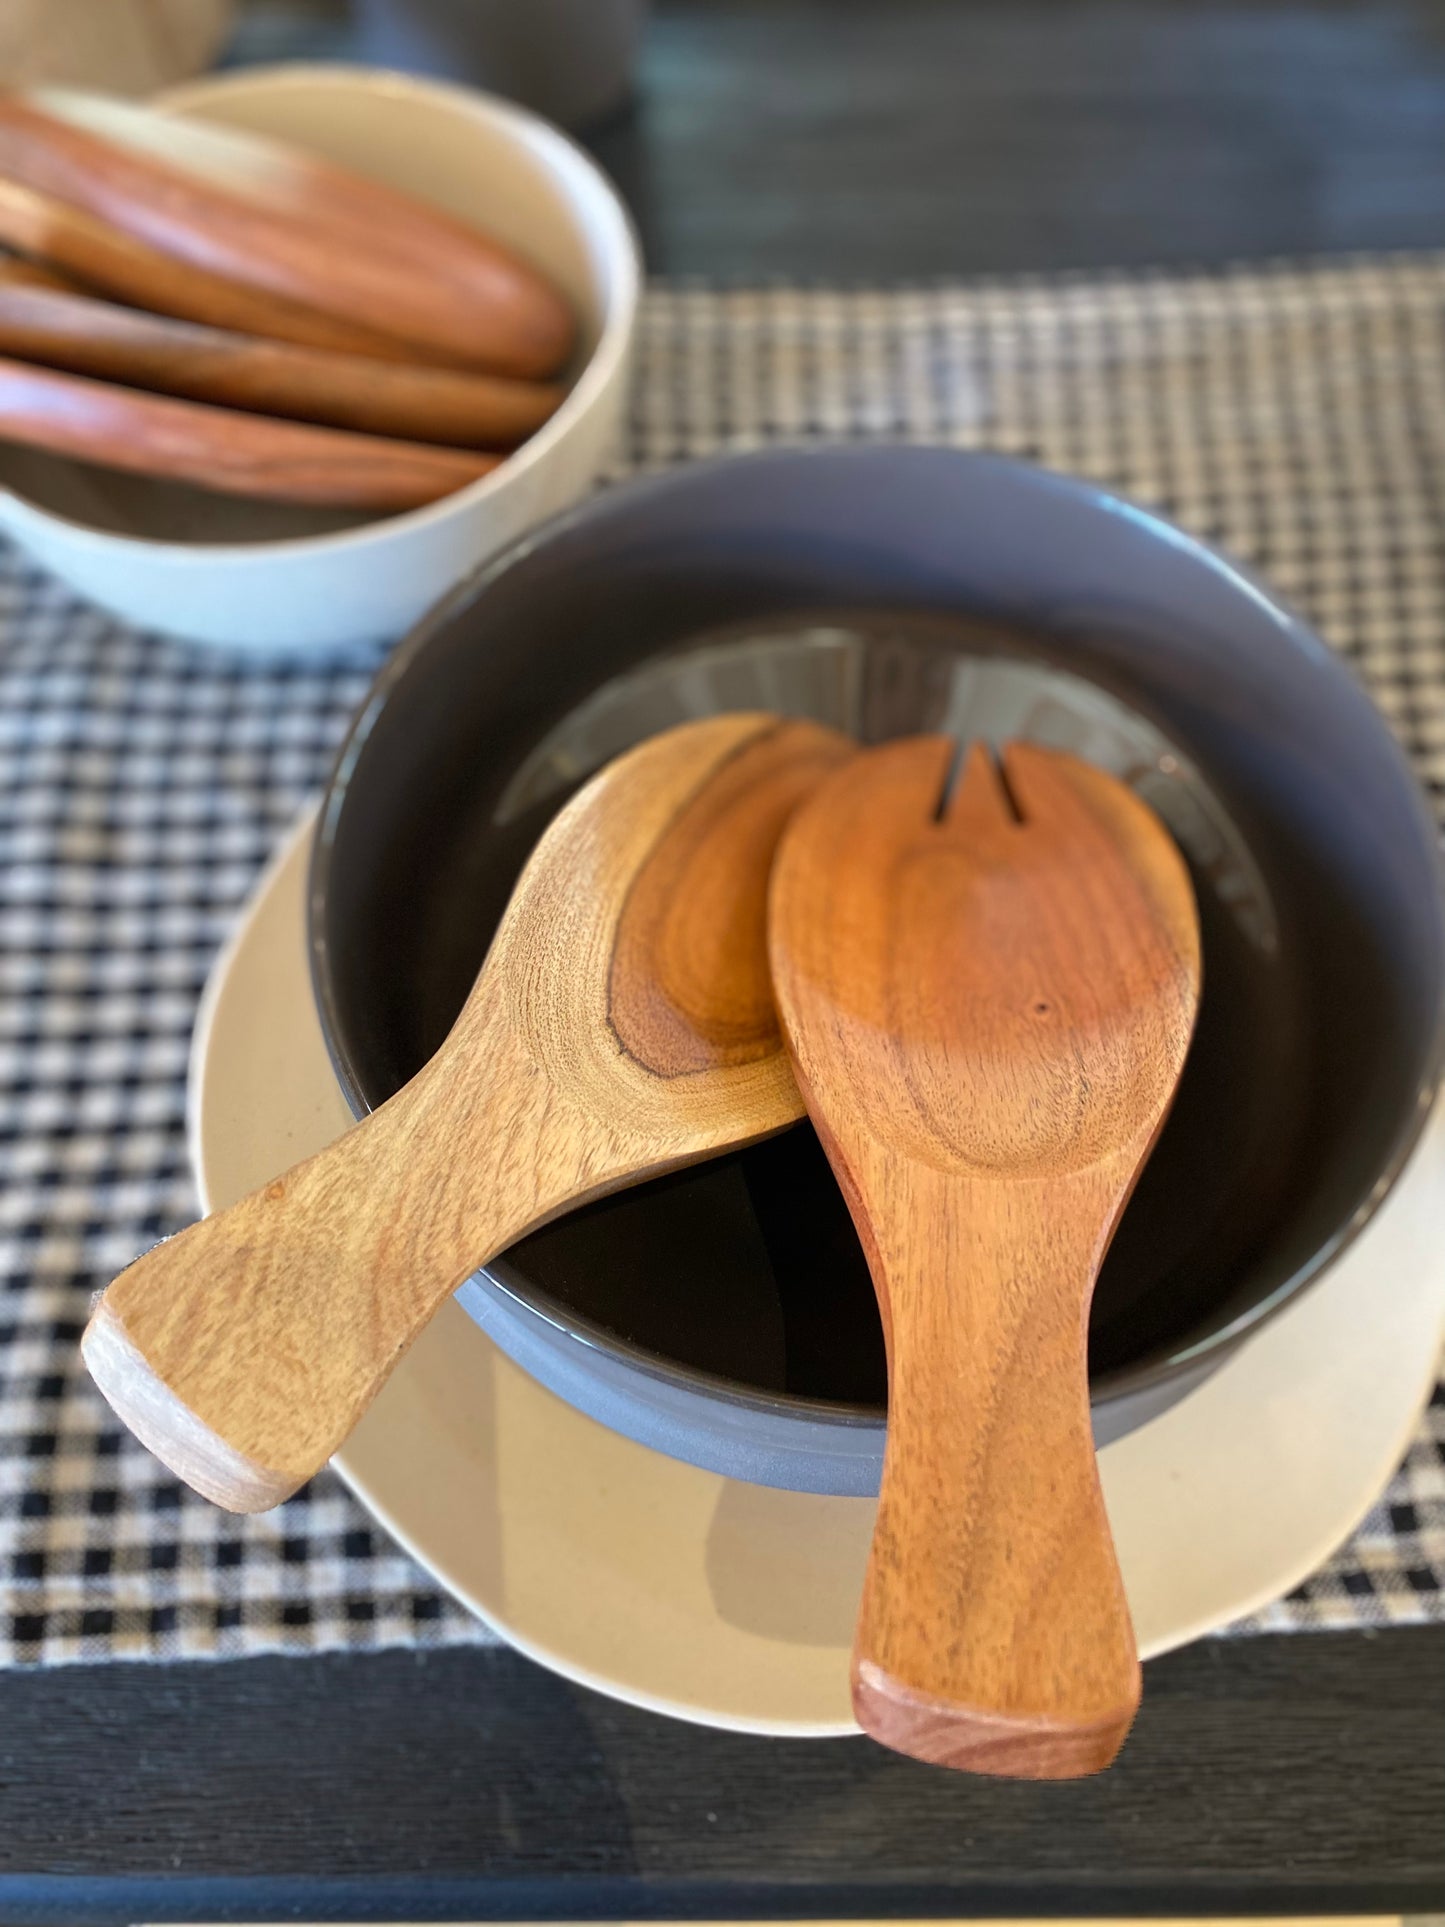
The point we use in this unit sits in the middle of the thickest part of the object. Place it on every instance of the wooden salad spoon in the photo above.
(622, 1026)
(987, 998)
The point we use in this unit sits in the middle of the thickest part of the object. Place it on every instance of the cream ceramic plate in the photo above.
(733, 1604)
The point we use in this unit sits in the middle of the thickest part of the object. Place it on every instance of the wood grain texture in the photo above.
(690, 986)
(17, 272)
(243, 1351)
(273, 218)
(218, 448)
(73, 331)
(988, 1006)
(1277, 1774)
(102, 258)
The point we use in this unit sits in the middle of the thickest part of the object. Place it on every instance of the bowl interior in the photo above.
(506, 172)
(1313, 861)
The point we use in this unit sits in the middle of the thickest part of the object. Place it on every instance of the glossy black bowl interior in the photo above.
(1318, 1041)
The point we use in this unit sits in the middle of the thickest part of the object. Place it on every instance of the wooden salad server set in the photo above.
(219, 308)
(986, 994)
(289, 226)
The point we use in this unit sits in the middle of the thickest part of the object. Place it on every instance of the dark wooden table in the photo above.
(840, 140)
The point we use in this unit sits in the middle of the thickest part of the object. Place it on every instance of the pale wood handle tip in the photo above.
(978, 1740)
(182, 1442)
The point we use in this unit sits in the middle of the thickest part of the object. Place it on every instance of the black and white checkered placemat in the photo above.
(1298, 417)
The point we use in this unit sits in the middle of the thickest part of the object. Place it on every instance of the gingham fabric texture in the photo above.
(1295, 415)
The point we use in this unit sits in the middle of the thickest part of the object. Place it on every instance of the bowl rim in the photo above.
(565, 161)
(1188, 1360)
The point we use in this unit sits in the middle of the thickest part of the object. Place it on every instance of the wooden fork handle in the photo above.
(994, 1634)
(243, 1351)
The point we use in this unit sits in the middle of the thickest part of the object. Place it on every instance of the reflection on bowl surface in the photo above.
(1315, 881)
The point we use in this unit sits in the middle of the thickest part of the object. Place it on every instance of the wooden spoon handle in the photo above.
(303, 240)
(100, 256)
(243, 1351)
(994, 1633)
(221, 449)
(39, 322)
(17, 272)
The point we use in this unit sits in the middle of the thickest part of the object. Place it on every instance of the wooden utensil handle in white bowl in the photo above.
(289, 224)
(994, 1634)
(224, 449)
(60, 328)
(102, 257)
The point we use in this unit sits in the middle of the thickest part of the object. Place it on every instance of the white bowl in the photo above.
(273, 578)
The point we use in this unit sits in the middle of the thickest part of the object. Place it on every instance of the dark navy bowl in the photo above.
(725, 1315)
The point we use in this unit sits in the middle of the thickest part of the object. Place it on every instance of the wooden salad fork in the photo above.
(988, 998)
(622, 1026)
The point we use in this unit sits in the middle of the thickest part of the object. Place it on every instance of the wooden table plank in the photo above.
(1297, 1774)
(881, 139)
